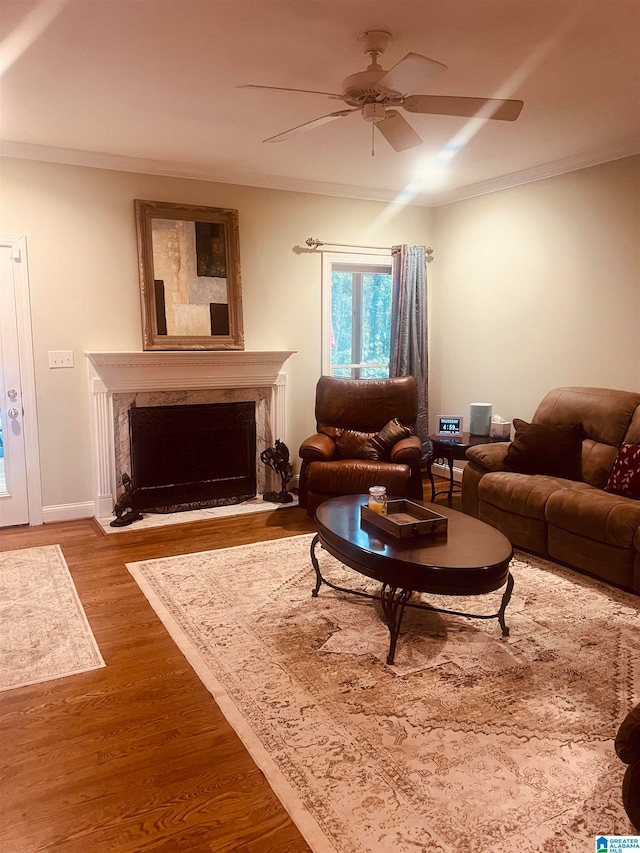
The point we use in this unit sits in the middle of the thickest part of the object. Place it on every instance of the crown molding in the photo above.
(121, 163)
(536, 173)
(167, 169)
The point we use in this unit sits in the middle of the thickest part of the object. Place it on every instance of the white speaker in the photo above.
(480, 418)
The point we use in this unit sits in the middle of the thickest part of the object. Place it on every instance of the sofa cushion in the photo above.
(607, 417)
(595, 515)
(604, 413)
(555, 450)
(597, 460)
(354, 477)
(524, 494)
(624, 478)
(379, 446)
(633, 433)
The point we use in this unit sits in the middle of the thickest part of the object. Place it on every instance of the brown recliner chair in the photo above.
(364, 439)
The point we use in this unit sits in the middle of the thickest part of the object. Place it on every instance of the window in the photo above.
(356, 316)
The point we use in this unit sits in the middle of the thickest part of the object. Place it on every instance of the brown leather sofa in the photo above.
(627, 745)
(573, 520)
(363, 439)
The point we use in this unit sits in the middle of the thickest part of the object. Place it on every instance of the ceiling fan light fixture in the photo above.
(374, 112)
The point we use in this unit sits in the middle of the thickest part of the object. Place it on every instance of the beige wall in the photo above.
(80, 229)
(530, 288)
(535, 287)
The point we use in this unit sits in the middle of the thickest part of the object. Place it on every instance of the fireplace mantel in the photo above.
(122, 372)
(168, 371)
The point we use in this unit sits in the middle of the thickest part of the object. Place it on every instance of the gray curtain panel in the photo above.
(408, 355)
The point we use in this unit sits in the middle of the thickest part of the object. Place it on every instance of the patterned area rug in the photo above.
(45, 633)
(469, 743)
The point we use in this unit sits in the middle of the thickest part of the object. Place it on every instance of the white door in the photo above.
(16, 390)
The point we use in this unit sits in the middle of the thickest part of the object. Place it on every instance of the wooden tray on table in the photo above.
(405, 519)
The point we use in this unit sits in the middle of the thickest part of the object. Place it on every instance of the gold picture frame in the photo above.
(189, 268)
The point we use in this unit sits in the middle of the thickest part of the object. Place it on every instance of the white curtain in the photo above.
(408, 356)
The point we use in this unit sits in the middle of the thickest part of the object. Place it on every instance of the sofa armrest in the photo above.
(406, 451)
(317, 448)
(489, 457)
(627, 742)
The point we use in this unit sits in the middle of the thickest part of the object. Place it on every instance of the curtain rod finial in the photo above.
(313, 242)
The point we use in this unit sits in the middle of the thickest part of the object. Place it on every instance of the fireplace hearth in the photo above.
(192, 456)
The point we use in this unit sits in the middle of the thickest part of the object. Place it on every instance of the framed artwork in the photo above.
(190, 286)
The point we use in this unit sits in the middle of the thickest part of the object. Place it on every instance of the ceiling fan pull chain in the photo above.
(373, 140)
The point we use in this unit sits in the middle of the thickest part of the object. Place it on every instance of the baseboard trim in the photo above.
(67, 512)
(443, 471)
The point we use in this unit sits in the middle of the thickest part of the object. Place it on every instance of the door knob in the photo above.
(12, 394)
(13, 413)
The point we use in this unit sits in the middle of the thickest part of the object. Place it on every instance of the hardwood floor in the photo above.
(135, 756)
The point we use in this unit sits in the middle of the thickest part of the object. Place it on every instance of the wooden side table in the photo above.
(450, 449)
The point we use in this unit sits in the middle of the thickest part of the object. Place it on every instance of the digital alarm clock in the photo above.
(450, 426)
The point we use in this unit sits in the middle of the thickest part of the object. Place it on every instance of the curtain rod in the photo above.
(314, 243)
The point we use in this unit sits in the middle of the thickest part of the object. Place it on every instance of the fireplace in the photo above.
(119, 381)
(190, 457)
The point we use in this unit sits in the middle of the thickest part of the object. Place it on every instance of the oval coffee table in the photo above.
(471, 559)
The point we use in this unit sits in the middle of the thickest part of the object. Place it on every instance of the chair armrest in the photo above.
(489, 456)
(407, 450)
(317, 448)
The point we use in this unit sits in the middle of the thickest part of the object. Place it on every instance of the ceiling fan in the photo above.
(375, 92)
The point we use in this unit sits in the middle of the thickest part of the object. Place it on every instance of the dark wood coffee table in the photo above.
(472, 559)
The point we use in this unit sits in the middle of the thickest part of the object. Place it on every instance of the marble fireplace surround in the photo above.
(117, 379)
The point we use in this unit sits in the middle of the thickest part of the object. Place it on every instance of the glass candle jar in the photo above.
(378, 499)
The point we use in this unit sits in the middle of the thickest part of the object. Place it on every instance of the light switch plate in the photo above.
(61, 358)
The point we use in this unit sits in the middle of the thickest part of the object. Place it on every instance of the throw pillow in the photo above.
(624, 478)
(349, 442)
(546, 449)
(379, 446)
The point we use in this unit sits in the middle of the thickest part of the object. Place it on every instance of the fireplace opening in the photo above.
(192, 456)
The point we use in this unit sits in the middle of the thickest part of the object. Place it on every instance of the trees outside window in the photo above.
(356, 316)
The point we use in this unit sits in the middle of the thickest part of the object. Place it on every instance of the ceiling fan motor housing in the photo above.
(362, 88)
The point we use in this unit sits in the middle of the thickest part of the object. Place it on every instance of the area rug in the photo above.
(471, 742)
(45, 633)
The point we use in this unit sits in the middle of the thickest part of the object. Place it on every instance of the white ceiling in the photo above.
(151, 85)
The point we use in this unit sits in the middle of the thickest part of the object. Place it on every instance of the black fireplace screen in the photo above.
(186, 457)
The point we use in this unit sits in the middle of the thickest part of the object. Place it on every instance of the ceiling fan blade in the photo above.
(285, 89)
(411, 73)
(447, 105)
(398, 132)
(308, 125)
